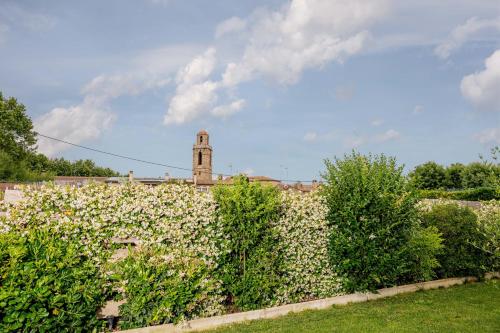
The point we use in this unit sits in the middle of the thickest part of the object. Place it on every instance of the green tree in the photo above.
(373, 216)
(429, 176)
(39, 163)
(19, 170)
(18, 159)
(480, 174)
(62, 167)
(250, 268)
(453, 177)
(17, 137)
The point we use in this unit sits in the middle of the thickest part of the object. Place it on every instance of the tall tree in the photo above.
(17, 137)
(429, 176)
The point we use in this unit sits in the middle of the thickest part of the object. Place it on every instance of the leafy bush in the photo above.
(162, 286)
(46, 284)
(249, 268)
(372, 214)
(424, 245)
(479, 174)
(429, 176)
(453, 176)
(462, 239)
(476, 194)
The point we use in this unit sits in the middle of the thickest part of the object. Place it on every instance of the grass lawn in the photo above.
(466, 308)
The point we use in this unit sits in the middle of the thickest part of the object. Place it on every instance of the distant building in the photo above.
(202, 159)
(202, 174)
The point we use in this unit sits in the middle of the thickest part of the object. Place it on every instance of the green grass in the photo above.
(466, 308)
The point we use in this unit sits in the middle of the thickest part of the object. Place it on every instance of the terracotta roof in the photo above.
(77, 178)
(263, 178)
(203, 132)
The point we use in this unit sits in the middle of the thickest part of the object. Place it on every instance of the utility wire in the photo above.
(149, 162)
(113, 154)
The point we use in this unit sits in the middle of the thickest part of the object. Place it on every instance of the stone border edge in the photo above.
(278, 311)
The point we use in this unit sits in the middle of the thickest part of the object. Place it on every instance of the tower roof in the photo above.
(202, 132)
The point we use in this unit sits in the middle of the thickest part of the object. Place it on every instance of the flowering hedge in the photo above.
(182, 222)
(176, 218)
(174, 215)
(303, 234)
(181, 232)
(488, 217)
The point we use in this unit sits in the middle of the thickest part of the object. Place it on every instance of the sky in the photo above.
(279, 85)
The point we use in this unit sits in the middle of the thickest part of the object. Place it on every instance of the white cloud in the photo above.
(197, 70)
(151, 69)
(228, 109)
(163, 60)
(303, 35)
(418, 109)
(74, 124)
(104, 88)
(195, 94)
(233, 24)
(482, 88)
(388, 135)
(310, 136)
(281, 44)
(489, 135)
(190, 102)
(354, 141)
(377, 122)
(463, 33)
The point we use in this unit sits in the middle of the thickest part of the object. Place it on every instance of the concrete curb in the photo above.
(217, 321)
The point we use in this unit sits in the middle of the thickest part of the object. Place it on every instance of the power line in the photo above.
(149, 162)
(113, 154)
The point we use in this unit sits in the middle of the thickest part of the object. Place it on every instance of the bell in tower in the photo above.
(202, 159)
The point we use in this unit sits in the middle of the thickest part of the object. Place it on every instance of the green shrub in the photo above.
(163, 287)
(424, 245)
(476, 194)
(479, 174)
(373, 215)
(453, 177)
(429, 176)
(250, 266)
(462, 239)
(47, 285)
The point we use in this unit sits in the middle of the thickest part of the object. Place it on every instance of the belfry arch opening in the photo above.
(200, 157)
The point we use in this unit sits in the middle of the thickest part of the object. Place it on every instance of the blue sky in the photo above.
(279, 85)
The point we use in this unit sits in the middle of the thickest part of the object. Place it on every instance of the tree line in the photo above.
(19, 160)
(457, 176)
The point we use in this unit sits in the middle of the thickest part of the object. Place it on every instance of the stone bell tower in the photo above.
(202, 159)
